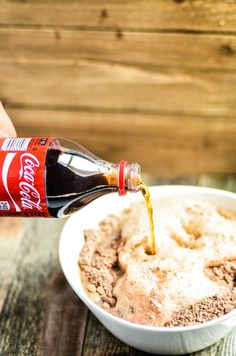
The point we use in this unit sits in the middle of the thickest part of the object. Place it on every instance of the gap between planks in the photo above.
(152, 15)
(180, 145)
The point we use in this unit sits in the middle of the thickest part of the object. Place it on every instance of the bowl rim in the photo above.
(81, 293)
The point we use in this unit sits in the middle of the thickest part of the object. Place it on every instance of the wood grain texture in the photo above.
(225, 347)
(118, 88)
(34, 262)
(172, 62)
(10, 234)
(99, 341)
(131, 49)
(63, 320)
(163, 145)
(152, 15)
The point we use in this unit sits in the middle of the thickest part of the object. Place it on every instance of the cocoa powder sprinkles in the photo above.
(99, 264)
(211, 307)
(205, 310)
(224, 271)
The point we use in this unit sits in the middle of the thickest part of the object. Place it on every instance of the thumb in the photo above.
(6, 127)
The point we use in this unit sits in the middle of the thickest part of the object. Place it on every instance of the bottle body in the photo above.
(53, 177)
(74, 177)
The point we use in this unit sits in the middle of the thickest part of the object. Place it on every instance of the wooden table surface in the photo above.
(39, 312)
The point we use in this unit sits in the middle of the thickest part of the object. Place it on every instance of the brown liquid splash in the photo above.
(151, 248)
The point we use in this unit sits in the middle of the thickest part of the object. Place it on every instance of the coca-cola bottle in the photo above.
(53, 177)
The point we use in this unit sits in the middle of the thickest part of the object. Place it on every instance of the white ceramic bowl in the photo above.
(171, 341)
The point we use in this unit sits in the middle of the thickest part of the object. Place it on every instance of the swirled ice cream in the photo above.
(191, 278)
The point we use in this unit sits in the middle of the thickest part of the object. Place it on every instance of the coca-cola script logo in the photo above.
(30, 197)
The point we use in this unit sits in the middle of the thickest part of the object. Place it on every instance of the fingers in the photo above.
(6, 127)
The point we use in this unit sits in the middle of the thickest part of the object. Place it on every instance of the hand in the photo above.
(6, 126)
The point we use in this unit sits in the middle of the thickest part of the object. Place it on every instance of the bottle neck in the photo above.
(126, 176)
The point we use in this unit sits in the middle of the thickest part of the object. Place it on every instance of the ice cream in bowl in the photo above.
(180, 299)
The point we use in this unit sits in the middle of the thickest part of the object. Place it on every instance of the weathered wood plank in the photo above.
(64, 319)
(99, 342)
(34, 263)
(195, 51)
(102, 86)
(152, 15)
(10, 233)
(163, 145)
(225, 347)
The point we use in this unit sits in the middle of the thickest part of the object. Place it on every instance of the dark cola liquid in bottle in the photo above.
(53, 177)
(75, 177)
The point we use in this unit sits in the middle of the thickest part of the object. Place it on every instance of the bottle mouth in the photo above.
(129, 177)
(122, 177)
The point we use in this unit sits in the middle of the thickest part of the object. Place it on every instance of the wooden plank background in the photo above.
(153, 82)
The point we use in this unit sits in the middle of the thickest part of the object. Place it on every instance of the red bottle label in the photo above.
(22, 176)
